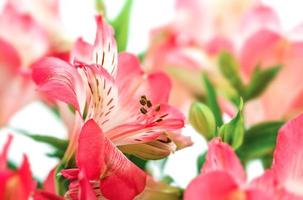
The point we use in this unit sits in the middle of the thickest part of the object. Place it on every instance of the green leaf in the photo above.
(233, 132)
(260, 80)
(202, 119)
(259, 140)
(137, 161)
(57, 143)
(121, 25)
(211, 100)
(230, 70)
(201, 161)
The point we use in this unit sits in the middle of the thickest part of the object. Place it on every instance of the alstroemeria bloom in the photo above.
(222, 176)
(17, 184)
(268, 45)
(182, 48)
(16, 87)
(103, 170)
(130, 106)
(22, 41)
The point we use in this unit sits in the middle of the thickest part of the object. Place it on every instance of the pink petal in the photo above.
(86, 191)
(260, 17)
(91, 150)
(261, 48)
(44, 195)
(129, 75)
(3, 154)
(148, 127)
(49, 182)
(218, 44)
(220, 156)
(27, 182)
(105, 48)
(289, 77)
(22, 31)
(156, 87)
(288, 156)
(9, 59)
(215, 185)
(98, 157)
(59, 81)
(70, 174)
(82, 51)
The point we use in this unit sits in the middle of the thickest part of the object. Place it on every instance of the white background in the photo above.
(78, 20)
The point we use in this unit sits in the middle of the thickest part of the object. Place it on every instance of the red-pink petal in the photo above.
(99, 158)
(27, 182)
(215, 185)
(220, 156)
(59, 80)
(288, 156)
(4, 152)
(91, 150)
(44, 195)
(86, 192)
(49, 182)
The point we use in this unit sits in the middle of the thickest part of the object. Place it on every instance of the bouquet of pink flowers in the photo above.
(222, 72)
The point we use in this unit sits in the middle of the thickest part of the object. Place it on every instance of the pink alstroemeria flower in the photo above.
(186, 46)
(16, 87)
(129, 105)
(15, 185)
(266, 46)
(222, 176)
(23, 40)
(103, 170)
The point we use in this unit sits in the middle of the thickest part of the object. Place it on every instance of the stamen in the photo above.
(159, 120)
(149, 104)
(142, 102)
(163, 116)
(157, 108)
(143, 110)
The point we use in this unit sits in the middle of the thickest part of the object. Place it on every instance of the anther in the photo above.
(157, 108)
(143, 110)
(149, 104)
(142, 102)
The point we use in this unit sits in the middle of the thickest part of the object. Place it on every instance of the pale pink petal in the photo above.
(286, 99)
(82, 51)
(259, 17)
(288, 156)
(22, 31)
(262, 48)
(148, 126)
(105, 48)
(220, 156)
(59, 80)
